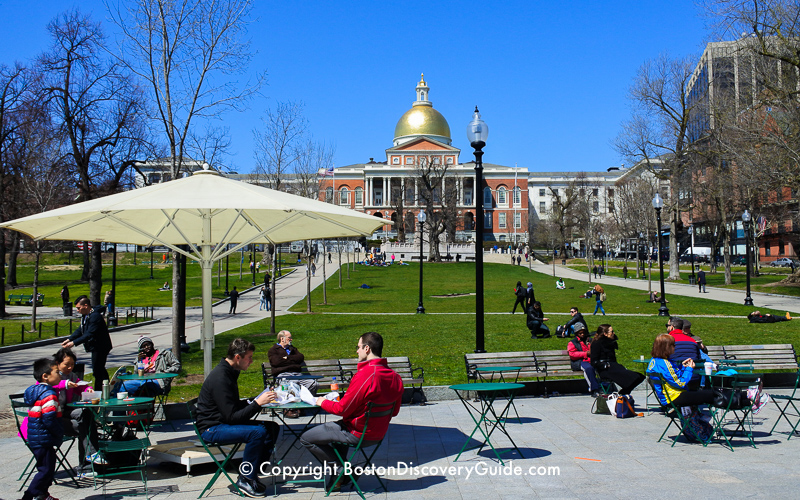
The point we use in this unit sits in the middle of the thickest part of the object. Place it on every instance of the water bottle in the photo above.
(106, 390)
(334, 387)
(140, 368)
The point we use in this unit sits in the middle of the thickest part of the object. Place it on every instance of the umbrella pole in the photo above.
(207, 334)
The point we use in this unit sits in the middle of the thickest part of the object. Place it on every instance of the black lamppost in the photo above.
(691, 257)
(226, 276)
(658, 204)
(746, 218)
(477, 132)
(421, 218)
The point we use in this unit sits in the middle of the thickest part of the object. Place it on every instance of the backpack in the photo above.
(697, 429)
(603, 297)
(623, 407)
(520, 292)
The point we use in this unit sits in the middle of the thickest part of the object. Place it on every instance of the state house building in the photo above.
(422, 137)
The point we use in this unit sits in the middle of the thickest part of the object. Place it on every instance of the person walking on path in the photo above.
(262, 298)
(313, 269)
(701, 281)
(599, 297)
(93, 334)
(234, 297)
(594, 271)
(64, 295)
(625, 272)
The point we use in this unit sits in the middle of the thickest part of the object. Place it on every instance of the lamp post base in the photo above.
(420, 309)
(663, 310)
(748, 301)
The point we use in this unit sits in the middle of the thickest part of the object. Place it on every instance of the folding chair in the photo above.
(790, 401)
(20, 410)
(227, 455)
(124, 456)
(374, 411)
(742, 416)
(674, 413)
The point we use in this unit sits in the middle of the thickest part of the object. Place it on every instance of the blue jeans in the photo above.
(258, 439)
(599, 305)
(132, 386)
(263, 304)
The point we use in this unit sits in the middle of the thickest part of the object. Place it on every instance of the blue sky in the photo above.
(550, 78)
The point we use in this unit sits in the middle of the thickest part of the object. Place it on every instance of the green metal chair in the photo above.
(227, 452)
(743, 416)
(20, 410)
(790, 400)
(674, 413)
(374, 411)
(124, 456)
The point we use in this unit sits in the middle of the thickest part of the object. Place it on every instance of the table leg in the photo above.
(499, 421)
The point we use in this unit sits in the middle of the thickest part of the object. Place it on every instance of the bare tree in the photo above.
(632, 219)
(92, 102)
(280, 143)
(14, 92)
(314, 156)
(562, 214)
(658, 130)
(439, 194)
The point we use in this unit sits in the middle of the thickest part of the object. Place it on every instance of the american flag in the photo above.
(761, 223)
(328, 171)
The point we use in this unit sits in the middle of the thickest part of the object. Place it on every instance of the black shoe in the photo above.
(251, 487)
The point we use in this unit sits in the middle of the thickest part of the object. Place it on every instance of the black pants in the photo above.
(45, 471)
(626, 379)
(520, 301)
(99, 357)
(318, 440)
(694, 398)
(232, 310)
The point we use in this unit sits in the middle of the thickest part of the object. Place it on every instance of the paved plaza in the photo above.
(587, 456)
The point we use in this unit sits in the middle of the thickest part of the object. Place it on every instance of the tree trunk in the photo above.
(176, 303)
(35, 285)
(96, 275)
(87, 272)
(11, 279)
(3, 313)
(726, 256)
(674, 265)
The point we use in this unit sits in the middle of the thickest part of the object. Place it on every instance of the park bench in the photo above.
(14, 298)
(411, 376)
(325, 368)
(533, 364)
(764, 356)
(525, 360)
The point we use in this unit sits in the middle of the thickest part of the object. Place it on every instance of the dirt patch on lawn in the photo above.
(63, 267)
(193, 379)
(451, 295)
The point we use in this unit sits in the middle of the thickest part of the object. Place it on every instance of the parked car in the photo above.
(739, 260)
(782, 262)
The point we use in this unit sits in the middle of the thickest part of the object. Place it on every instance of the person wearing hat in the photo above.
(578, 350)
(154, 361)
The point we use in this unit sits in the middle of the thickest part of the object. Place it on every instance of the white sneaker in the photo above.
(761, 403)
(96, 458)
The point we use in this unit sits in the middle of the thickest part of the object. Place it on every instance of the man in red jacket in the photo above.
(373, 382)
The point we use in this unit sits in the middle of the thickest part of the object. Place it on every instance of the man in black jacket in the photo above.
(569, 328)
(222, 418)
(286, 361)
(93, 334)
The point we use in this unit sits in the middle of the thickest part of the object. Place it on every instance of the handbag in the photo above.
(724, 397)
(600, 406)
(603, 297)
(697, 429)
(623, 406)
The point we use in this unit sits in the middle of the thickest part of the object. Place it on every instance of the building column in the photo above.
(403, 190)
(416, 192)
(385, 191)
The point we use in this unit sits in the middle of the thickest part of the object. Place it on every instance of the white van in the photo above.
(702, 254)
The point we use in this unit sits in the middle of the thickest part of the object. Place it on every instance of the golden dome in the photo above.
(422, 120)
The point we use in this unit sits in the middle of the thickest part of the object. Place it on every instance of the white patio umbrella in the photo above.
(206, 212)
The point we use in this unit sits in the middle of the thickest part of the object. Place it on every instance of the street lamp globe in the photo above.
(746, 217)
(658, 202)
(477, 130)
(422, 217)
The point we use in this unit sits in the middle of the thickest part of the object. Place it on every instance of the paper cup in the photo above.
(641, 358)
(122, 395)
(708, 366)
(96, 401)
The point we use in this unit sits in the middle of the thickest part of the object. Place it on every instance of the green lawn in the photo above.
(134, 286)
(438, 342)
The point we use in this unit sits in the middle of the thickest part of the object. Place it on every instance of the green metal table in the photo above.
(293, 406)
(743, 420)
(160, 398)
(484, 415)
